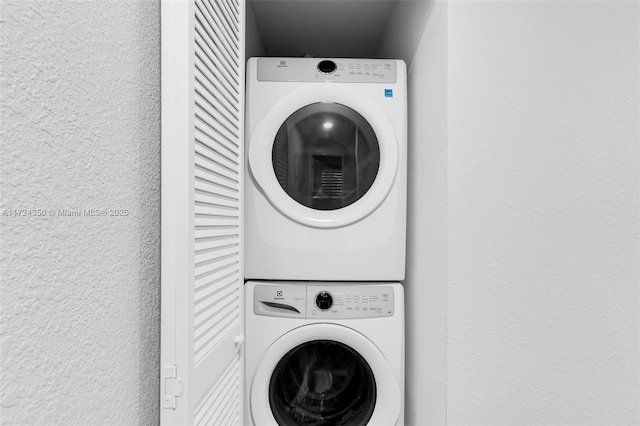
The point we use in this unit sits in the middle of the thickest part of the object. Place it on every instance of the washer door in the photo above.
(324, 156)
(324, 374)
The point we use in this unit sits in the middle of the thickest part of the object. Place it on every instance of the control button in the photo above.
(326, 67)
(324, 301)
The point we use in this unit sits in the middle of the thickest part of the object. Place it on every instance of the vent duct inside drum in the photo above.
(328, 180)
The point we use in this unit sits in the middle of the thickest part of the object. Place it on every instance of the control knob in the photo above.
(327, 67)
(324, 301)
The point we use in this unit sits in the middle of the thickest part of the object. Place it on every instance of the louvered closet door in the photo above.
(202, 130)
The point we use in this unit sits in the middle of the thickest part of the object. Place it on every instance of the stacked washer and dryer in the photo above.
(325, 232)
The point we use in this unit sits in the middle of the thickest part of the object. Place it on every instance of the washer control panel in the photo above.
(325, 301)
(343, 301)
(327, 69)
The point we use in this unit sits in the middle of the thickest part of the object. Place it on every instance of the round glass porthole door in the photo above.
(326, 156)
(322, 382)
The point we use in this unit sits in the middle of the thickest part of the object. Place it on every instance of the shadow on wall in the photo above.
(405, 29)
(418, 34)
(148, 177)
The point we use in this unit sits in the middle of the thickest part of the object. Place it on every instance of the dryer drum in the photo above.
(322, 382)
(326, 156)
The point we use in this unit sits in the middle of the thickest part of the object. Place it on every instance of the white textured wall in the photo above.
(80, 129)
(543, 208)
(417, 33)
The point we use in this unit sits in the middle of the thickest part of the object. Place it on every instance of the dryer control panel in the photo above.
(341, 70)
(324, 301)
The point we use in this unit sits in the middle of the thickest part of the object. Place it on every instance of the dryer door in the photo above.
(324, 156)
(324, 374)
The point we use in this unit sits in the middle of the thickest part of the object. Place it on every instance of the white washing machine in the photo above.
(324, 354)
(326, 174)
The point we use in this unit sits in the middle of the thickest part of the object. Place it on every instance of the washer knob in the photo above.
(324, 301)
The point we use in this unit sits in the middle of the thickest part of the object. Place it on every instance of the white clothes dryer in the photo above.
(324, 354)
(326, 175)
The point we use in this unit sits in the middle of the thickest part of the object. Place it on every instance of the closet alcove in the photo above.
(416, 32)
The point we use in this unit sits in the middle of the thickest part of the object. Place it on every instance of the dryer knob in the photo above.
(327, 67)
(324, 301)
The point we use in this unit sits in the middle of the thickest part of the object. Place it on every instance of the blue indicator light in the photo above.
(388, 93)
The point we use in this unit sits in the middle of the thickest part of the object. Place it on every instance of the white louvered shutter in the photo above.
(202, 169)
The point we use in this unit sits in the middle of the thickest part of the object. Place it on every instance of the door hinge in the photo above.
(171, 386)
